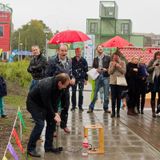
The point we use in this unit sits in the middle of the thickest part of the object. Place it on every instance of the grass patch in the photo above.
(15, 101)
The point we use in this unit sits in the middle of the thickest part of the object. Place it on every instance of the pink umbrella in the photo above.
(68, 36)
(116, 41)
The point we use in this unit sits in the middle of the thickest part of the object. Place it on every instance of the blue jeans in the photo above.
(101, 82)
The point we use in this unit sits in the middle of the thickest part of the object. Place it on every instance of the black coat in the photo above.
(3, 87)
(45, 96)
(132, 77)
(79, 68)
(37, 67)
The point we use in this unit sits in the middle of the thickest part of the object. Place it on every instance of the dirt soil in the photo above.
(6, 125)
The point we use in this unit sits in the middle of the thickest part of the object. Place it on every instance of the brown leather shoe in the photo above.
(66, 130)
(90, 111)
(107, 111)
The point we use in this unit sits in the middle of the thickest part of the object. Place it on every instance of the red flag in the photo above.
(15, 135)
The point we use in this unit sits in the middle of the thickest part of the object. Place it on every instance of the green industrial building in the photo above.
(108, 25)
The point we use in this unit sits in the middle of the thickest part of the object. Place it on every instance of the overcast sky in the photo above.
(72, 14)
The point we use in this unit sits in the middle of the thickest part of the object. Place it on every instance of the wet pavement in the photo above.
(121, 142)
(125, 138)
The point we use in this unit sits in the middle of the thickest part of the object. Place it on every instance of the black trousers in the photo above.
(65, 108)
(80, 85)
(132, 98)
(153, 98)
(141, 95)
(39, 117)
(116, 92)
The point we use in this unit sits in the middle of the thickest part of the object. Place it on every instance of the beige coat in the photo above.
(115, 70)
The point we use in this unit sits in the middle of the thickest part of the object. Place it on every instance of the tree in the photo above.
(30, 34)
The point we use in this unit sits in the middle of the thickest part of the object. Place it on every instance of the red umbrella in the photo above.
(116, 42)
(68, 36)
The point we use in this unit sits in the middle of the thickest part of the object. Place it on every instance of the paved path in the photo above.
(126, 138)
(123, 140)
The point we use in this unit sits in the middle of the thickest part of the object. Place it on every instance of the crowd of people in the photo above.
(49, 97)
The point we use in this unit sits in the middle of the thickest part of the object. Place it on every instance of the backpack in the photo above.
(3, 87)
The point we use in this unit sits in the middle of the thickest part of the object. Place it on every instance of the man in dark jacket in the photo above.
(62, 64)
(79, 70)
(42, 103)
(37, 66)
(101, 63)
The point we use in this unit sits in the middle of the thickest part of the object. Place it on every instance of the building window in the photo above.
(125, 28)
(109, 12)
(158, 43)
(1, 31)
(93, 27)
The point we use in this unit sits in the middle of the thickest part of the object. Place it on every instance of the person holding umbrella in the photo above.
(62, 64)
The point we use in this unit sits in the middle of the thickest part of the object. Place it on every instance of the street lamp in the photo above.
(21, 44)
(46, 31)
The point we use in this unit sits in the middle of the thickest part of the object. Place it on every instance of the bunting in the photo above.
(21, 119)
(12, 151)
(15, 135)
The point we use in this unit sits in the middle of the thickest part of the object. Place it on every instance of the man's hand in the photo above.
(105, 70)
(57, 118)
(99, 70)
(72, 81)
(85, 82)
